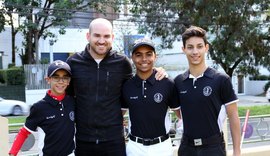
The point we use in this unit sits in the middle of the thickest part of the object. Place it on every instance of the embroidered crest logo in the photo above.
(158, 97)
(71, 116)
(207, 91)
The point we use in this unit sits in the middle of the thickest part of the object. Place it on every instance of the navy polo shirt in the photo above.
(148, 102)
(54, 122)
(203, 101)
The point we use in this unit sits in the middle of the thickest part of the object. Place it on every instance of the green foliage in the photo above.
(39, 16)
(267, 85)
(15, 76)
(260, 77)
(3, 76)
(10, 65)
(254, 110)
(238, 31)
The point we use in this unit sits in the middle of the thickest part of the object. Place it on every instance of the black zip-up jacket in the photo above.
(97, 89)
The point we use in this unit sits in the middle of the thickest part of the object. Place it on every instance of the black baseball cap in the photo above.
(56, 65)
(143, 41)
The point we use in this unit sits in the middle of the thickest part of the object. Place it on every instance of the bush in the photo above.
(15, 76)
(260, 77)
(3, 77)
(266, 86)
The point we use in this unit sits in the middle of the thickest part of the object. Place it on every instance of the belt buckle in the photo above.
(197, 142)
(147, 142)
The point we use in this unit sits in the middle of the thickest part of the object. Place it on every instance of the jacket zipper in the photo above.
(107, 82)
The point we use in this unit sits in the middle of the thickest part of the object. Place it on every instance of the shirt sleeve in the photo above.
(227, 92)
(174, 103)
(34, 118)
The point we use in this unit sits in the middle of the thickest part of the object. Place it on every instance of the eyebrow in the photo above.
(66, 75)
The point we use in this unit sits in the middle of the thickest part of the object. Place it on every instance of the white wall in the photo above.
(32, 96)
(254, 87)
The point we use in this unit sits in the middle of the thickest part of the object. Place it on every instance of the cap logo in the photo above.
(58, 63)
(145, 40)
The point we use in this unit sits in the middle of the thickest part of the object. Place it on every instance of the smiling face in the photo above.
(100, 37)
(144, 58)
(59, 82)
(195, 50)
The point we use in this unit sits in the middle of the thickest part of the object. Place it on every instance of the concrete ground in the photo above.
(244, 100)
(249, 100)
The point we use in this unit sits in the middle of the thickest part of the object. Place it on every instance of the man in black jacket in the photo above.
(98, 74)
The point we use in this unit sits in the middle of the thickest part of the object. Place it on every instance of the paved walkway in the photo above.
(249, 100)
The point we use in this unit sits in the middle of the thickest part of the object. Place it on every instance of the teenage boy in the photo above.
(206, 98)
(52, 117)
(148, 101)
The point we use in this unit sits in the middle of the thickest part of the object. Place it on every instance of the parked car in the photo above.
(268, 94)
(13, 107)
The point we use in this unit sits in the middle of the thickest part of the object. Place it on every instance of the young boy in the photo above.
(53, 116)
(148, 101)
(206, 99)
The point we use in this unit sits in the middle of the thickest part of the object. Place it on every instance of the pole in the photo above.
(51, 50)
(244, 128)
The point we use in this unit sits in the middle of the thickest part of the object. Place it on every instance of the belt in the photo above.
(215, 139)
(148, 142)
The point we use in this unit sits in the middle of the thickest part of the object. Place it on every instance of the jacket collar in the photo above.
(86, 53)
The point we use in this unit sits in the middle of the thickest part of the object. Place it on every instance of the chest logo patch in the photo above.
(158, 97)
(207, 91)
(71, 116)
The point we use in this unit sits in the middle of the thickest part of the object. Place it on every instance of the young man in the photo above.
(206, 98)
(148, 101)
(98, 74)
(52, 117)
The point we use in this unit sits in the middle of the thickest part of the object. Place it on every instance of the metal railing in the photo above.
(258, 129)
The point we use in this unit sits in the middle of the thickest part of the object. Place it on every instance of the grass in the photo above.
(14, 120)
(254, 110)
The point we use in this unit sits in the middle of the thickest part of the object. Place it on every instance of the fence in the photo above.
(35, 76)
(257, 133)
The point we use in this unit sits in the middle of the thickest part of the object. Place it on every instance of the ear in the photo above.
(207, 48)
(48, 80)
(88, 36)
(112, 36)
(183, 49)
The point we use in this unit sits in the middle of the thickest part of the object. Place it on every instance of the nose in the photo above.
(144, 57)
(195, 51)
(101, 40)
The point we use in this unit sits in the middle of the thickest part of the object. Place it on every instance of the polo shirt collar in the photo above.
(51, 100)
(151, 80)
(209, 72)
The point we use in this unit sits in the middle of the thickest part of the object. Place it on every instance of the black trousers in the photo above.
(108, 148)
(208, 150)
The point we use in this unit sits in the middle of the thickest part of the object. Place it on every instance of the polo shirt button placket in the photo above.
(144, 88)
(61, 109)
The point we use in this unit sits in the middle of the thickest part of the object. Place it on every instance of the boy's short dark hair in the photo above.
(194, 31)
(56, 65)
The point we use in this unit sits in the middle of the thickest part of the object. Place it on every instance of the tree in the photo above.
(238, 30)
(40, 15)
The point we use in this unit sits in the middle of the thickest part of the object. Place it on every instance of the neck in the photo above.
(144, 75)
(197, 70)
(95, 55)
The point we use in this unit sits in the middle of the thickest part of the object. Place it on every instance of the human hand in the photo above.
(161, 73)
